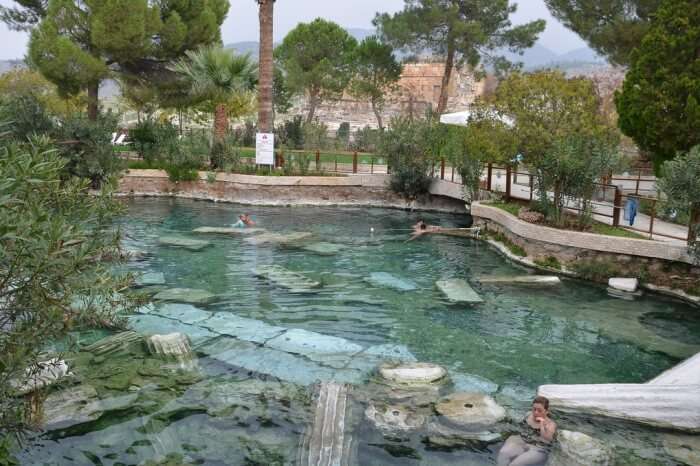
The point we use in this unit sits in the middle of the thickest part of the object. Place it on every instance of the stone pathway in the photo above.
(292, 355)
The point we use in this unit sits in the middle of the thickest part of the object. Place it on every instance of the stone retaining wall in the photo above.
(352, 190)
(566, 245)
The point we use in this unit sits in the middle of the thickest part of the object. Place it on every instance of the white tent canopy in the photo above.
(462, 118)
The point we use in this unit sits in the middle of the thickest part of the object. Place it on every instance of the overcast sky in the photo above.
(242, 21)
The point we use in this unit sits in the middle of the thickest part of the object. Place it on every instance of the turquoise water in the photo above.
(519, 338)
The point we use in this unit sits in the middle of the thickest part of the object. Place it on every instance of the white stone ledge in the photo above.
(582, 240)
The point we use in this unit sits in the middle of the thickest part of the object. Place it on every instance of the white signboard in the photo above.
(265, 149)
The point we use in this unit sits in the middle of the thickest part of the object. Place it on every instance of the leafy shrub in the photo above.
(601, 270)
(342, 135)
(25, 115)
(549, 262)
(291, 133)
(366, 140)
(246, 134)
(315, 136)
(511, 246)
(403, 147)
(225, 153)
(87, 147)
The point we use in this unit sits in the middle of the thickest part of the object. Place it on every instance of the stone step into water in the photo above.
(524, 279)
(278, 239)
(150, 279)
(666, 406)
(457, 290)
(184, 243)
(230, 231)
(293, 281)
(328, 441)
(185, 295)
(387, 280)
(685, 373)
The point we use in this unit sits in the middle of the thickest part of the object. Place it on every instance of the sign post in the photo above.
(265, 149)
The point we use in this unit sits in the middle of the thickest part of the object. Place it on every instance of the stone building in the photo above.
(418, 89)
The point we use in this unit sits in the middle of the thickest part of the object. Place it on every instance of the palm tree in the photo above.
(265, 115)
(215, 75)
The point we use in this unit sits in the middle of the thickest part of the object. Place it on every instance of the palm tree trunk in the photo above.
(265, 114)
(449, 65)
(220, 122)
(93, 100)
(378, 114)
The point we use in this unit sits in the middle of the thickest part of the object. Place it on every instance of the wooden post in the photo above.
(371, 166)
(532, 186)
(318, 160)
(489, 172)
(639, 177)
(452, 178)
(651, 220)
(442, 169)
(354, 162)
(616, 207)
(336, 163)
(508, 186)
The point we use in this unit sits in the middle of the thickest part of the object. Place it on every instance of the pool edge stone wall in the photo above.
(359, 190)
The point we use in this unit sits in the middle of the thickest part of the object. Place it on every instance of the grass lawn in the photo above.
(511, 207)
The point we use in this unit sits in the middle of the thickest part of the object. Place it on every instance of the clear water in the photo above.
(519, 338)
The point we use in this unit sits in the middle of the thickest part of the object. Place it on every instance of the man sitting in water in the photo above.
(244, 220)
(531, 447)
(421, 228)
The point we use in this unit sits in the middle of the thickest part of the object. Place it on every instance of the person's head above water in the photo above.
(540, 407)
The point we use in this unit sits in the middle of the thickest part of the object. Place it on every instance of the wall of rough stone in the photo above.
(567, 246)
(352, 190)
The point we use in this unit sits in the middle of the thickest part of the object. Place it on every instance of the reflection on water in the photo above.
(145, 411)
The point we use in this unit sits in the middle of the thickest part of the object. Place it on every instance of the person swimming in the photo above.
(534, 442)
(244, 221)
(421, 228)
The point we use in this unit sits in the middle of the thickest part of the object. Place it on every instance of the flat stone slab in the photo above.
(293, 281)
(473, 384)
(413, 373)
(185, 295)
(685, 373)
(684, 448)
(666, 406)
(232, 325)
(185, 313)
(628, 285)
(70, 407)
(323, 248)
(184, 243)
(458, 290)
(310, 344)
(471, 410)
(524, 279)
(283, 365)
(387, 280)
(153, 324)
(390, 351)
(278, 238)
(227, 231)
(150, 279)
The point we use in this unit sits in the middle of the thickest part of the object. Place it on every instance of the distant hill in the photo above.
(8, 65)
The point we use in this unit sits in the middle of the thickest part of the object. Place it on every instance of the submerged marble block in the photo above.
(578, 449)
(154, 324)
(310, 344)
(413, 373)
(471, 410)
(278, 238)
(524, 279)
(323, 248)
(628, 285)
(44, 374)
(458, 290)
(185, 313)
(328, 441)
(667, 406)
(185, 295)
(227, 231)
(172, 344)
(184, 243)
(150, 279)
(387, 280)
(256, 331)
(394, 417)
(685, 373)
(293, 281)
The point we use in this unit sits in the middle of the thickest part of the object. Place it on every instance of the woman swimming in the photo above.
(533, 444)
